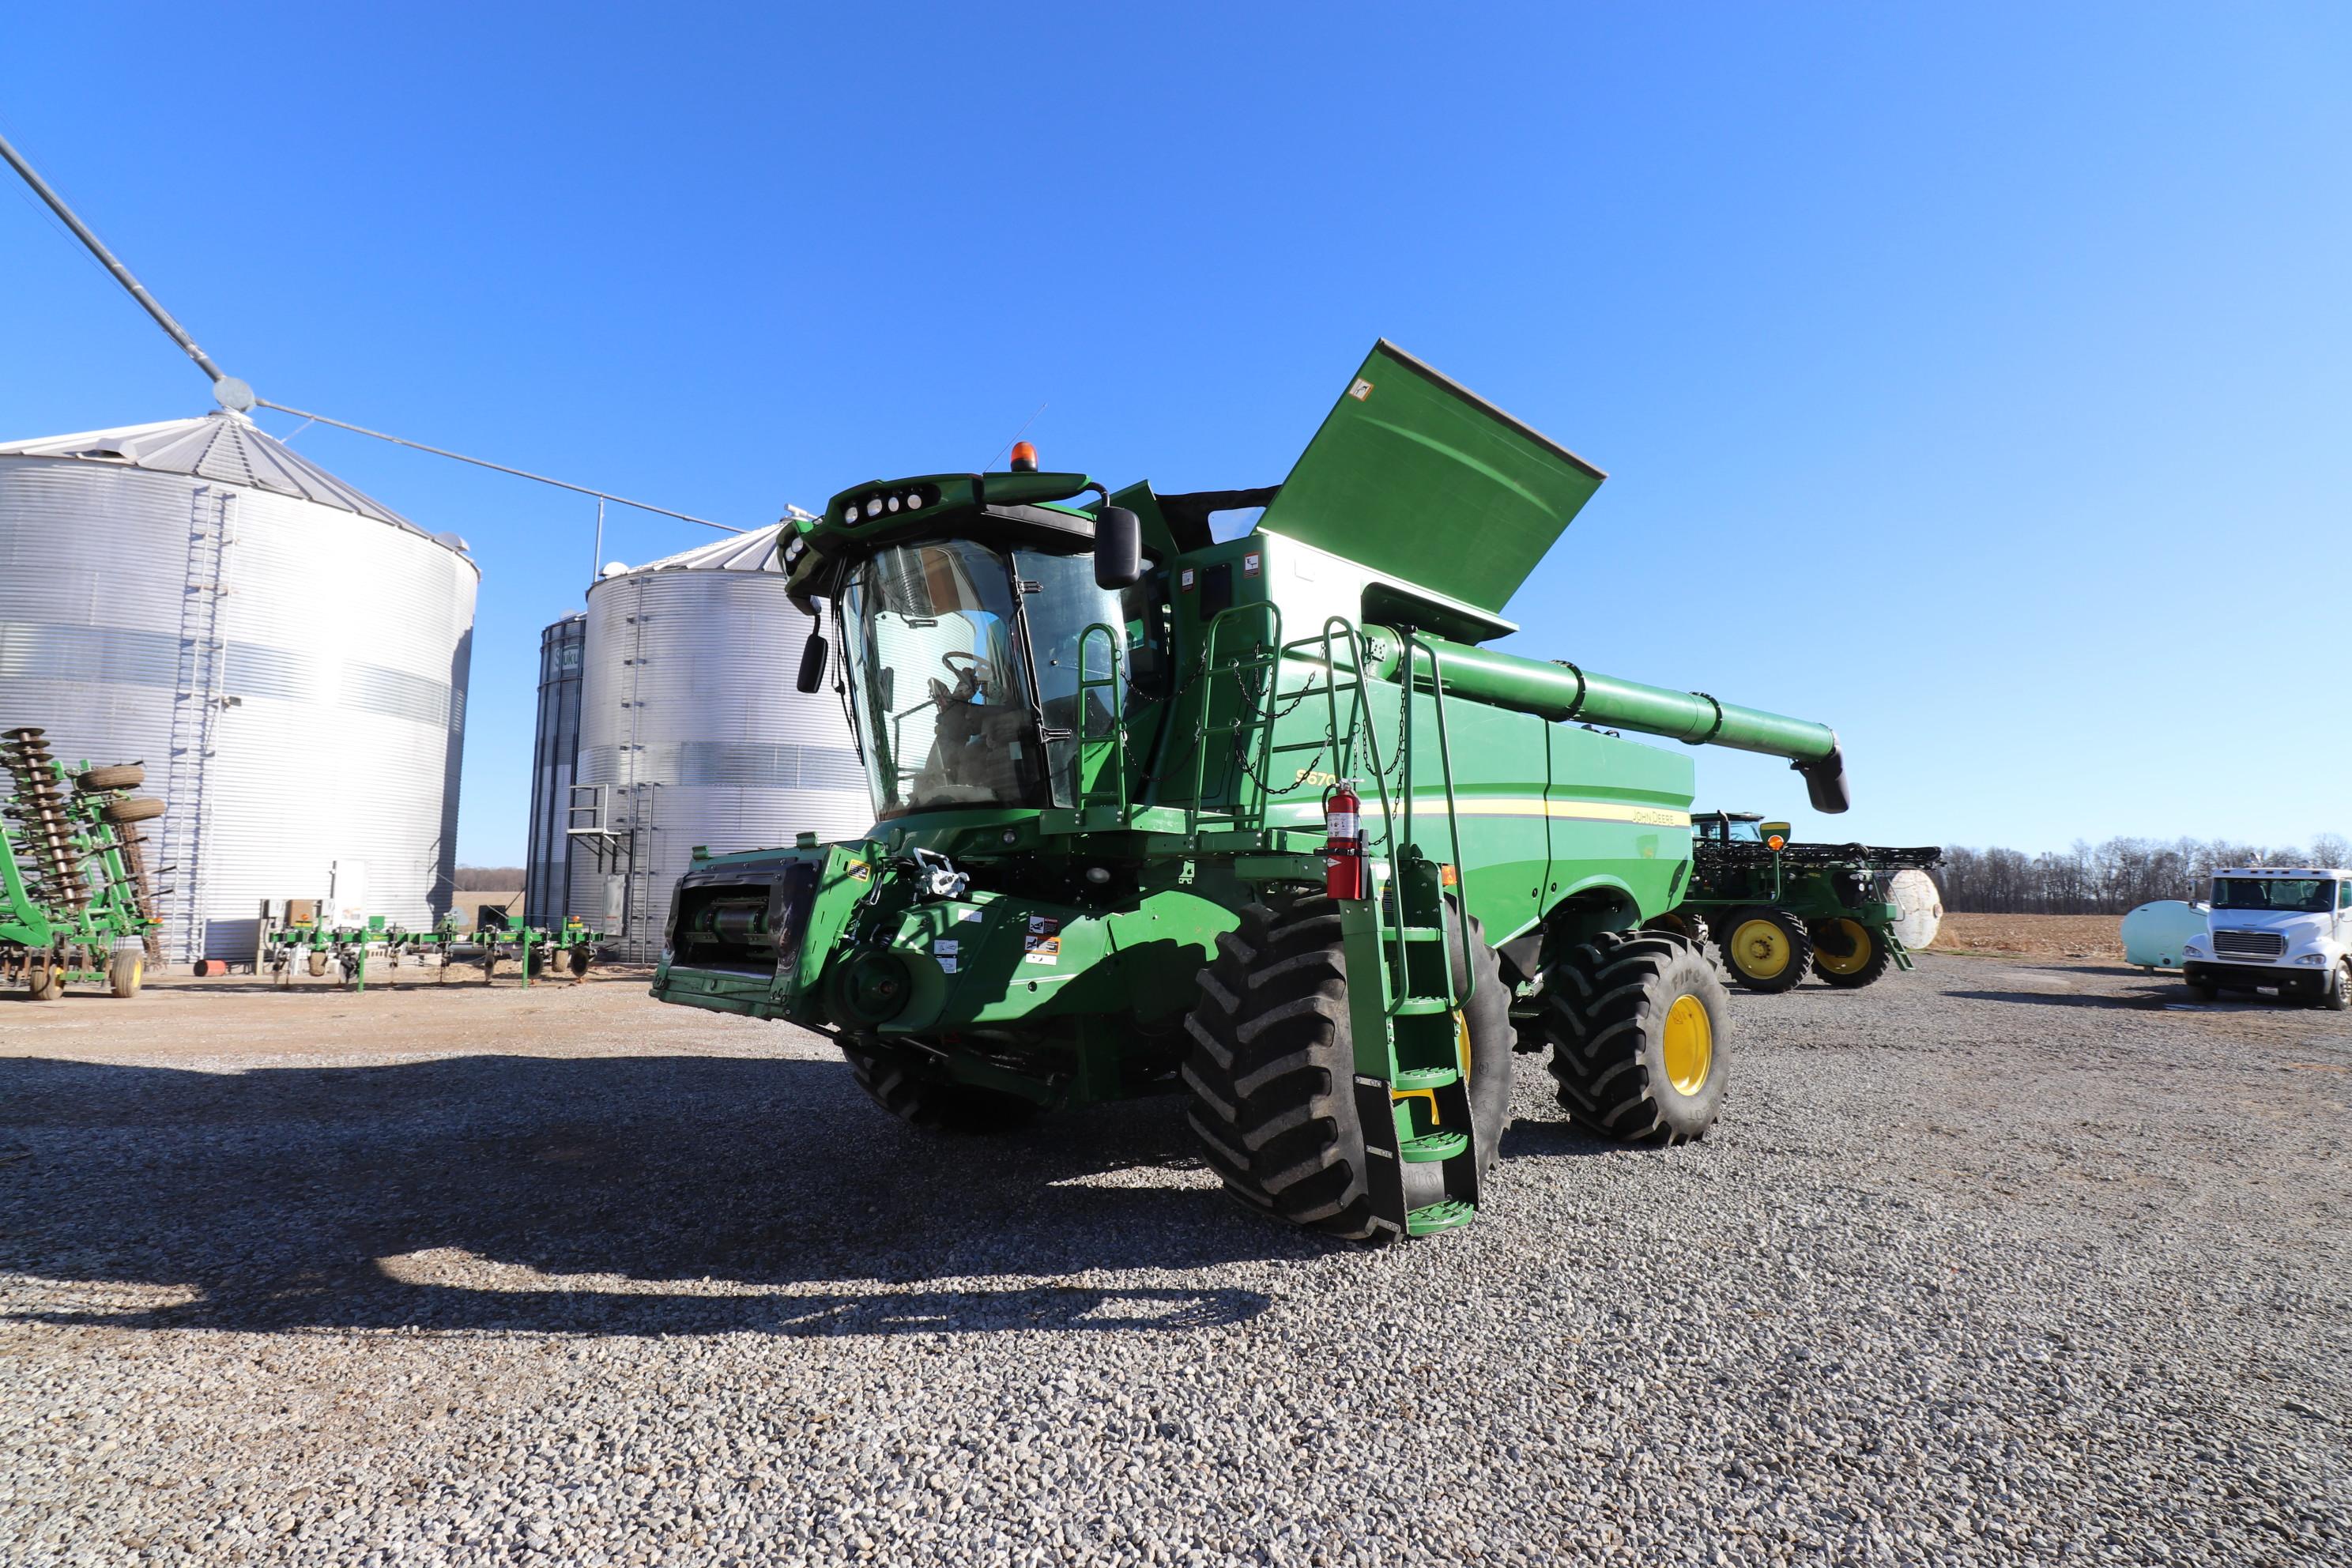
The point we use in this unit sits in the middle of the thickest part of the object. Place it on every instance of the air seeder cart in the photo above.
(76, 904)
(1780, 910)
(1256, 818)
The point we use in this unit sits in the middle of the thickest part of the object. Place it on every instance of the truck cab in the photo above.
(2284, 928)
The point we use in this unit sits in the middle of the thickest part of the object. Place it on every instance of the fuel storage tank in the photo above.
(692, 732)
(286, 655)
(555, 750)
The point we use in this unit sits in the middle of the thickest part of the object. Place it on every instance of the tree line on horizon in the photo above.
(2109, 879)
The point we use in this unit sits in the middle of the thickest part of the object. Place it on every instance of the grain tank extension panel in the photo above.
(1424, 481)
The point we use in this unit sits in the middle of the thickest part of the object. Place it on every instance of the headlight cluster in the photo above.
(2312, 958)
(885, 503)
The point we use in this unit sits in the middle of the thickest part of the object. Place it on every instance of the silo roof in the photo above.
(220, 446)
(752, 551)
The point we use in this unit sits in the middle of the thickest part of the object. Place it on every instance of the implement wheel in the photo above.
(121, 775)
(124, 974)
(138, 808)
(891, 1074)
(45, 981)
(1766, 949)
(1848, 953)
(1638, 1023)
(1272, 1069)
(317, 964)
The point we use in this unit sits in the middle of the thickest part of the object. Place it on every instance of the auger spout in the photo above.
(1561, 691)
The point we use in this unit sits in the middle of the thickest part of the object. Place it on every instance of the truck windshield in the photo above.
(933, 659)
(2278, 895)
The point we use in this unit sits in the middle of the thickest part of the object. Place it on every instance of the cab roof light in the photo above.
(1025, 457)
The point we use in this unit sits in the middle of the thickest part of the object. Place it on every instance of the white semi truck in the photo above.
(2286, 928)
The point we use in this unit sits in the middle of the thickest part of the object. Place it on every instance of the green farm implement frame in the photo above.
(77, 900)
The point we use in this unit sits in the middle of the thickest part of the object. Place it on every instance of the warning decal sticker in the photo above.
(1042, 943)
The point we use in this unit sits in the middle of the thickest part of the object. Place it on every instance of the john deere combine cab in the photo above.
(1780, 910)
(1257, 818)
(76, 902)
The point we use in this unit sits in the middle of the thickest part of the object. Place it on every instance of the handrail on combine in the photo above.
(1267, 656)
(1453, 810)
(1081, 794)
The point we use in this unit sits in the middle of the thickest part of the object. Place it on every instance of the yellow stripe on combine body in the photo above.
(1579, 810)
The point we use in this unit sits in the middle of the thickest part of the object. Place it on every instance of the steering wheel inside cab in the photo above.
(970, 674)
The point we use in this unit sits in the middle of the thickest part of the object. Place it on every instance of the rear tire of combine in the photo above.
(1638, 1022)
(1681, 923)
(1272, 1073)
(139, 808)
(1766, 949)
(886, 1076)
(124, 975)
(121, 775)
(1848, 953)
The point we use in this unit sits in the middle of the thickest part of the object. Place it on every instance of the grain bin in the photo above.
(555, 749)
(692, 732)
(288, 656)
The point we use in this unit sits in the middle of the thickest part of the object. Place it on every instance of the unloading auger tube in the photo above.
(1562, 692)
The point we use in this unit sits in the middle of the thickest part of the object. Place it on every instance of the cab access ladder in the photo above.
(1407, 944)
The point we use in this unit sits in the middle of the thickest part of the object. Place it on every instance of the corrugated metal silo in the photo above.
(547, 859)
(288, 656)
(693, 732)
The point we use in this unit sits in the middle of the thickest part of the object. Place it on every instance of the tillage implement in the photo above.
(77, 902)
(1245, 811)
(1780, 910)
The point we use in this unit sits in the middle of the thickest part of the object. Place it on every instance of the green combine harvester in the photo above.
(1257, 819)
(1781, 909)
(76, 901)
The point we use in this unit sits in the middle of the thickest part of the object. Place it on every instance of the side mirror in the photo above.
(1118, 548)
(812, 652)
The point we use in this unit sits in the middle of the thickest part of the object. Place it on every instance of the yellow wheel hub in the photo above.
(1689, 1045)
(1856, 957)
(1760, 948)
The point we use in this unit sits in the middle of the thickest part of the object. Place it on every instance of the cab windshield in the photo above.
(939, 655)
(2276, 895)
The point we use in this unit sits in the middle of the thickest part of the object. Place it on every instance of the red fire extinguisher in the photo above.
(1343, 848)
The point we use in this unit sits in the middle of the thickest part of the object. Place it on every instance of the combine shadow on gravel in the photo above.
(443, 1194)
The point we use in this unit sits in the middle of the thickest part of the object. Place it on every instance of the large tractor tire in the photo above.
(1766, 949)
(138, 808)
(888, 1075)
(121, 775)
(1638, 1023)
(1848, 953)
(1273, 1066)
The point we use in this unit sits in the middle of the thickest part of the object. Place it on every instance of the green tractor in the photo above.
(1778, 909)
(76, 901)
(1255, 819)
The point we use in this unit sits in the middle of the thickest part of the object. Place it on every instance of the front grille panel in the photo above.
(2248, 943)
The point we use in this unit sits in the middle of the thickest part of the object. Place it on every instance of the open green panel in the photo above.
(1424, 481)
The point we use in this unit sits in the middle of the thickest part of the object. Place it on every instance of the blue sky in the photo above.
(1977, 379)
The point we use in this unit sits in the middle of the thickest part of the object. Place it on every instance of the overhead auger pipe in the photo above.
(1562, 692)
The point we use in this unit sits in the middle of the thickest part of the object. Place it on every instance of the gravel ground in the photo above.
(1993, 1262)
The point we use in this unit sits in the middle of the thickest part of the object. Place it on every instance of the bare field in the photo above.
(2033, 936)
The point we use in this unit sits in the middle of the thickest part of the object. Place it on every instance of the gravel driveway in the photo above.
(1989, 1263)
